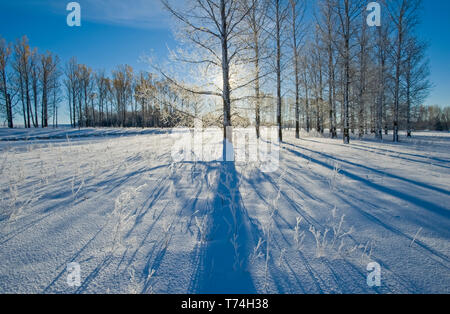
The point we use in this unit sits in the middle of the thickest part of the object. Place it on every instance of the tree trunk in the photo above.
(297, 74)
(9, 111)
(397, 77)
(279, 101)
(257, 87)
(8, 101)
(331, 90)
(226, 93)
(408, 100)
(380, 104)
(346, 94)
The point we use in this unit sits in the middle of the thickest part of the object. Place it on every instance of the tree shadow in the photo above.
(434, 208)
(443, 212)
(383, 152)
(223, 255)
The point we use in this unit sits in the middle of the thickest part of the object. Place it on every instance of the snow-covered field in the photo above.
(114, 202)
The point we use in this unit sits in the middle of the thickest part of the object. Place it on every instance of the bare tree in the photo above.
(35, 72)
(54, 89)
(305, 78)
(84, 75)
(5, 52)
(123, 89)
(102, 85)
(404, 15)
(279, 15)
(327, 25)
(363, 56)
(49, 75)
(256, 42)
(71, 84)
(347, 12)
(382, 46)
(212, 27)
(298, 8)
(316, 65)
(22, 66)
(416, 72)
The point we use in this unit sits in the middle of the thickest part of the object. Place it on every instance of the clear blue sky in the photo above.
(115, 32)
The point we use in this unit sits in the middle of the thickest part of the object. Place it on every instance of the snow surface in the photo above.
(136, 222)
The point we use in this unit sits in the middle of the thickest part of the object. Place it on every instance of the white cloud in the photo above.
(131, 13)
(148, 14)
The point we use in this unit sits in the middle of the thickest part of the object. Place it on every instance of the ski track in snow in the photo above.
(114, 202)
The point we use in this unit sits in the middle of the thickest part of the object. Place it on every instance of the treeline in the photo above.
(35, 85)
(432, 118)
(126, 99)
(323, 66)
(261, 62)
(373, 79)
(30, 83)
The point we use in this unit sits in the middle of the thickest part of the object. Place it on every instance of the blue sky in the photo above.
(115, 32)
(112, 33)
(435, 29)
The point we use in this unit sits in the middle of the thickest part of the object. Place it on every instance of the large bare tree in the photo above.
(212, 27)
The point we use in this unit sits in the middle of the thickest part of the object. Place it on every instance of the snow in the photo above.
(113, 201)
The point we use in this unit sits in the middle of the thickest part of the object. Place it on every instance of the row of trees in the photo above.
(31, 80)
(34, 86)
(431, 118)
(254, 61)
(329, 64)
(126, 99)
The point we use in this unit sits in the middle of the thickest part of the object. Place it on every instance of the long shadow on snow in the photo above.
(315, 283)
(383, 152)
(445, 213)
(436, 209)
(393, 176)
(220, 269)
